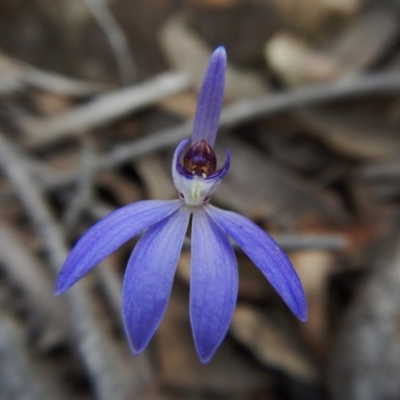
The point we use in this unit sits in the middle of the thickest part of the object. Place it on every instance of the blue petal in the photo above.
(214, 284)
(211, 96)
(266, 255)
(149, 276)
(108, 234)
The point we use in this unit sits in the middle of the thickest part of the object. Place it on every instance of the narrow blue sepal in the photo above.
(149, 276)
(213, 285)
(266, 255)
(108, 235)
(211, 96)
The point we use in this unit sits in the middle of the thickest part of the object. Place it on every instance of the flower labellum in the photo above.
(200, 159)
(214, 273)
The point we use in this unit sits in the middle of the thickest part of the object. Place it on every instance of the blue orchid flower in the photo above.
(214, 272)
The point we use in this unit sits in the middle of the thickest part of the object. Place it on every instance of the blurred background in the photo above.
(95, 95)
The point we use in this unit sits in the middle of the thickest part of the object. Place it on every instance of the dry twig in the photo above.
(102, 110)
(116, 38)
(84, 191)
(24, 269)
(239, 112)
(14, 75)
(108, 372)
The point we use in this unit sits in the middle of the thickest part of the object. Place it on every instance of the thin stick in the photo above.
(26, 270)
(380, 171)
(301, 242)
(23, 377)
(104, 109)
(84, 191)
(271, 104)
(16, 74)
(108, 373)
(116, 38)
(242, 111)
(14, 168)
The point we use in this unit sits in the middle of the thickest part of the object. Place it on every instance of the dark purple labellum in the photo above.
(200, 159)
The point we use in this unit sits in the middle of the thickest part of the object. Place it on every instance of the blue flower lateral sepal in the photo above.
(214, 273)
